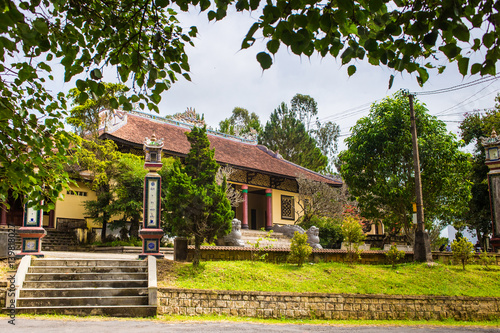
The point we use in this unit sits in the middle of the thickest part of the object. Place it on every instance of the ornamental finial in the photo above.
(493, 133)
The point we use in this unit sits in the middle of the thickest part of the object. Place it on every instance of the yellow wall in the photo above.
(71, 206)
(276, 195)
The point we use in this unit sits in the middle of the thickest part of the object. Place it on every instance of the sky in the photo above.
(225, 77)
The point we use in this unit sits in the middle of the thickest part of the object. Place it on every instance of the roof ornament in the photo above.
(492, 140)
(153, 142)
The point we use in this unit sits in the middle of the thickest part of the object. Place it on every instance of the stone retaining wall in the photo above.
(325, 306)
(279, 255)
(3, 293)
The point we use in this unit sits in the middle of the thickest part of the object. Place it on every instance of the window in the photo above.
(77, 193)
(287, 207)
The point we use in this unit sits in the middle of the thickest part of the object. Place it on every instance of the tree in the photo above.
(378, 166)
(306, 108)
(128, 191)
(326, 135)
(463, 250)
(195, 204)
(101, 160)
(142, 39)
(319, 199)
(300, 250)
(409, 36)
(353, 236)
(286, 134)
(240, 123)
(84, 117)
(473, 127)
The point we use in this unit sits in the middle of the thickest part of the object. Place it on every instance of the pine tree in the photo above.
(286, 134)
(196, 206)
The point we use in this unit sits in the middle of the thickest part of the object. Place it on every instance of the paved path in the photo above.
(132, 326)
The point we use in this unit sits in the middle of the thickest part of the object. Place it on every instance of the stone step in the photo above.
(45, 277)
(82, 301)
(86, 284)
(87, 269)
(262, 234)
(83, 292)
(113, 311)
(89, 262)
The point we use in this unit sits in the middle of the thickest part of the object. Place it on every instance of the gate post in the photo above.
(151, 232)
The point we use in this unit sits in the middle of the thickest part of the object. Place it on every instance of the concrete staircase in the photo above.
(278, 240)
(55, 240)
(85, 287)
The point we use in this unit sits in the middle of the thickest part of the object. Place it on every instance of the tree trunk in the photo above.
(104, 227)
(134, 228)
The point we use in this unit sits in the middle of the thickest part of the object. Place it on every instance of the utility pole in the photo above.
(422, 246)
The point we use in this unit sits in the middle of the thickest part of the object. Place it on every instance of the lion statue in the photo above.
(234, 237)
(313, 237)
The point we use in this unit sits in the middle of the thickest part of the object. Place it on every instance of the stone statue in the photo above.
(287, 230)
(234, 237)
(313, 237)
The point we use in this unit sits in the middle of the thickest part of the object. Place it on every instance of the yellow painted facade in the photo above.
(70, 205)
(276, 204)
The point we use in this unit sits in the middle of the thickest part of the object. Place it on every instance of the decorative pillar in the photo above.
(151, 232)
(244, 222)
(31, 232)
(3, 215)
(269, 222)
(491, 147)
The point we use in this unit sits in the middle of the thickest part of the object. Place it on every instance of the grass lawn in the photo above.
(405, 279)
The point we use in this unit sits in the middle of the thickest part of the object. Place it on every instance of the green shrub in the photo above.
(300, 250)
(487, 259)
(394, 255)
(330, 232)
(259, 252)
(463, 250)
(353, 236)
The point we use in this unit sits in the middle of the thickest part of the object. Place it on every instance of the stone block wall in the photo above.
(3, 293)
(325, 306)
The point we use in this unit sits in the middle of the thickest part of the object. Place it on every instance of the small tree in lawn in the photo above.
(300, 250)
(196, 206)
(353, 236)
(394, 255)
(463, 250)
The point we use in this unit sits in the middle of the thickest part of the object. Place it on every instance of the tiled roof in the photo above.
(239, 154)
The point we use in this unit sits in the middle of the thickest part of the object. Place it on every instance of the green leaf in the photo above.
(81, 85)
(41, 26)
(489, 39)
(475, 68)
(391, 81)
(273, 45)
(96, 74)
(114, 103)
(463, 66)
(265, 60)
(461, 32)
(450, 50)
(351, 70)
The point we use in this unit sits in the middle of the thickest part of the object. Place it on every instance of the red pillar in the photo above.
(3, 216)
(244, 223)
(269, 220)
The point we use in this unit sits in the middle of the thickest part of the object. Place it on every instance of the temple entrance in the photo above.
(256, 208)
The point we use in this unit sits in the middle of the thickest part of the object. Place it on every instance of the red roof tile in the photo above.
(239, 154)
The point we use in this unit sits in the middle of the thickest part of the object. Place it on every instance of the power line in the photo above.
(457, 87)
